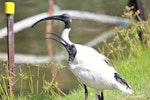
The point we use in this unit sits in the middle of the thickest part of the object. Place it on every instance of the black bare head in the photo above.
(64, 17)
(71, 49)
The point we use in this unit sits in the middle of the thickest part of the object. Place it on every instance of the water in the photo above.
(34, 77)
(32, 41)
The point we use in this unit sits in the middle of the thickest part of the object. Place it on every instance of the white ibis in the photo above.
(89, 66)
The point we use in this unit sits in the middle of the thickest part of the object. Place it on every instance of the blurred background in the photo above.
(32, 41)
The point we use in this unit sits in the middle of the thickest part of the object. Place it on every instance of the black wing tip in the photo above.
(121, 80)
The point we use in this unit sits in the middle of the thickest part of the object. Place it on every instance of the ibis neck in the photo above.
(65, 35)
(71, 59)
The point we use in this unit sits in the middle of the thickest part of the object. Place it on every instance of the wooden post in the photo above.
(137, 4)
(54, 70)
(48, 30)
(9, 11)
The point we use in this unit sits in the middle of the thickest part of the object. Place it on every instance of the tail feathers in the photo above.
(129, 90)
(122, 84)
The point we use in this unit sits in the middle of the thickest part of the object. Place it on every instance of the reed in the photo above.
(31, 82)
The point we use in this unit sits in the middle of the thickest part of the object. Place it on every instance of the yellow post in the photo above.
(10, 11)
(9, 8)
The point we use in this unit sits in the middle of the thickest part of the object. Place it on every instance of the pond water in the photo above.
(32, 41)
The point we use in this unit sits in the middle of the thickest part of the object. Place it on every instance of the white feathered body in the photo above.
(90, 68)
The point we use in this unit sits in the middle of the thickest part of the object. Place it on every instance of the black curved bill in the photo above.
(47, 18)
(61, 40)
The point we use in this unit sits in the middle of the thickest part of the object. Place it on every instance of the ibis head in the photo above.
(64, 17)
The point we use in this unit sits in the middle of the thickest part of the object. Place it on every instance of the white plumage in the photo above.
(89, 66)
(92, 69)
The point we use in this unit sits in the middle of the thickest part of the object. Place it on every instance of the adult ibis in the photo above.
(90, 67)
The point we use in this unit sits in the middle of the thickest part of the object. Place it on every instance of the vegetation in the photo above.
(131, 58)
(30, 83)
(135, 68)
(129, 55)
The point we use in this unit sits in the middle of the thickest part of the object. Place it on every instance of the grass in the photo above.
(32, 82)
(129, 56)
(135, 69)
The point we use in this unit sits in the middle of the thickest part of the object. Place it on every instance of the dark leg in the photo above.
(86, 92)
(100, 97)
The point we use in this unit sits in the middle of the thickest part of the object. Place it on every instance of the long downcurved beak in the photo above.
(61, 41)
(48, 18)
